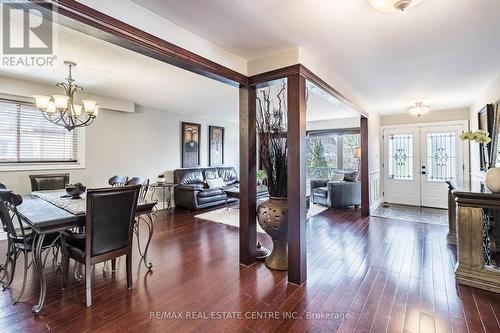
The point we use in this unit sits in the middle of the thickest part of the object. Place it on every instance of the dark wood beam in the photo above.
(297, 254)
(365, 181)
(77, 16)
(248, 178)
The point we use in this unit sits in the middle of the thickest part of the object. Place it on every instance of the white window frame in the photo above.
(79, 164)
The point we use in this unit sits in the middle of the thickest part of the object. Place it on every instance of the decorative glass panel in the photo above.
(441, 156)
(401, 156)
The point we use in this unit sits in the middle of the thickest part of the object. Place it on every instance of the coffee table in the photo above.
(234, 192)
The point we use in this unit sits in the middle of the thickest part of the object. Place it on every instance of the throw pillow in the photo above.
(336, 177)
(215, 183)
(351, 176)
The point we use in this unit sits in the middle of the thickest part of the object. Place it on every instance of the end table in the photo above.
(166, 189)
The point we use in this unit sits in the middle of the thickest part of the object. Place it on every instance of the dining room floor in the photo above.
(364, 274)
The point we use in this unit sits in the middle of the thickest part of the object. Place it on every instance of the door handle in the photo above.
(423, 172)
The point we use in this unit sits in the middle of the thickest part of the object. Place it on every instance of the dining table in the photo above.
(49, 212)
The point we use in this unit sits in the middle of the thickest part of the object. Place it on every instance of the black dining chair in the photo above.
(20, 238)
(49, 182)
(142, 216)
(144, 182)
(117, 181)
(109, 223)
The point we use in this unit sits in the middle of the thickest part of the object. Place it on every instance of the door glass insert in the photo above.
(441, 156)
(401, 156)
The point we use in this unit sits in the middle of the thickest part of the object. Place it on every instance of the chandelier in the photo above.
(419, 109)
(62, 109)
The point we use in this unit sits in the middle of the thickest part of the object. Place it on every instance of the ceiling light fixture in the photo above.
(62, 109)
(392, 6)
(419, 109)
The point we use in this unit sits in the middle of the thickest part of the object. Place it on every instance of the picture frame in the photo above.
(215, 145)
(486, 122)
(190, 144)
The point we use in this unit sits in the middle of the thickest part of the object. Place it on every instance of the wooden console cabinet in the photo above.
(474, 204)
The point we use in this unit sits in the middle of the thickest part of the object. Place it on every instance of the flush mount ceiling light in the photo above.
(392, 6)
(419, 109)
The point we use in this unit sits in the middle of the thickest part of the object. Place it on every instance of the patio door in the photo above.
(417, 162)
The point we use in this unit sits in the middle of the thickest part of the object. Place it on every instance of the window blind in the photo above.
(27, 137)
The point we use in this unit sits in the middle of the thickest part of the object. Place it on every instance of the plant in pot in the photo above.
(492, 177)
(273, 153)
(261, 176)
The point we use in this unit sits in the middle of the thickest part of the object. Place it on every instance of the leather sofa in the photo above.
(192, 191)
(336, 194)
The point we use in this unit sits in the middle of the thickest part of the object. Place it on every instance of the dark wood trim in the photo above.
(365, 181)
(102, 26)
(267, 77)
(248, 176)
(297, 253)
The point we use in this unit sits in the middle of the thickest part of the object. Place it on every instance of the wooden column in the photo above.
(365, 180)
(297, 265)
(248, 181)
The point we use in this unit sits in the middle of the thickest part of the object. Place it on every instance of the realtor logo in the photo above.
(27, 29)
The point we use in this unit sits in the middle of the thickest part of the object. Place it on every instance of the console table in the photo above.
(474, 204)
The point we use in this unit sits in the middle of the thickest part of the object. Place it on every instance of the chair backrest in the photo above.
(49, 182)
(2, 186)
(118, 181)
(110, 218)
(144, 182)
(8, 211)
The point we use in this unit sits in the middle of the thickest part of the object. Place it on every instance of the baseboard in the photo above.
(377, 204)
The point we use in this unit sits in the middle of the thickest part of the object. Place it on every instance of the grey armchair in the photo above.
(336, 194)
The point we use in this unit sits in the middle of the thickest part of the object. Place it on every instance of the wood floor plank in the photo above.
(364, 274)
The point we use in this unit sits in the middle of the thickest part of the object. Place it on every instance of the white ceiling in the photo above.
(108, 70)
(442, 52)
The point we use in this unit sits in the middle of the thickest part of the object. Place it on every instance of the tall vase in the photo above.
(272, 215)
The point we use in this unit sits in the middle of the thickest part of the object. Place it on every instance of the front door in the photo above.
(441, 160)
(417, 162)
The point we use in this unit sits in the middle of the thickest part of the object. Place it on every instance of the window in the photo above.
(26, 137)
(442, 156)
(401, 156)
(330, 150)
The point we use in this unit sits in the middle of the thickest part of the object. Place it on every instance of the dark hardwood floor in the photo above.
(364, 275)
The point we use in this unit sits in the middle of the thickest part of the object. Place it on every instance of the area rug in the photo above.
(231, 216)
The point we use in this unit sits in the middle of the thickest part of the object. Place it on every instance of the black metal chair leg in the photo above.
(12, 263)
(25, 275)
(113, 264)
(65, 269)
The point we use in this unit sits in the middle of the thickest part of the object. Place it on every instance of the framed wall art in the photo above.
(190, 141)
(216, 145)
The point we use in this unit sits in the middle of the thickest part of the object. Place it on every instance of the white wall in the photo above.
(432, 116)
(491, 95)
(142, 144)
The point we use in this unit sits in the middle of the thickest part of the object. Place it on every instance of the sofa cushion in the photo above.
(337, 177)
(205, 193)
(216, 183)
(188, 176)
(351, 176)
(210, 173)
(229, 175)
(321, 192)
